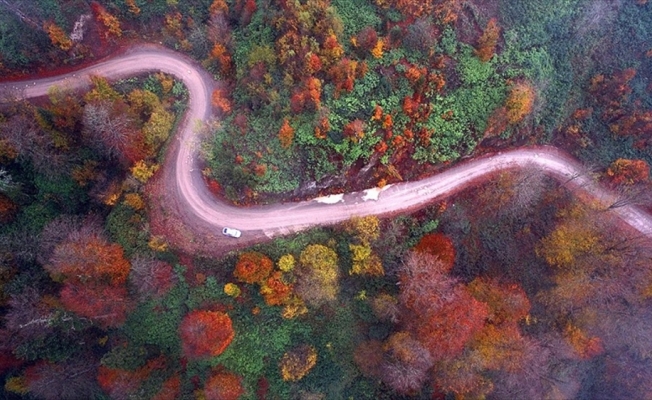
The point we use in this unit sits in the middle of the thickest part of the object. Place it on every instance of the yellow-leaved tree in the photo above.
(317, 275)
(575, 235)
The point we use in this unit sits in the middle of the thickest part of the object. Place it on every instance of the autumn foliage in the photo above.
(344, 74)
(444, 10)
(123, 384)
(109, 24)
(318, 275)
(519, 102)
(447, 315)
(107, 305)
(253, 267)
(438, 245)
(628, 172)
(223, 58)
(275, 290)
(567, 242)
(486, 47)
(623, 117)
(300, 38)
(57, 36)
(307, 96)
(221, 100)
(296, 363)
(169, 389)
(366, 39)
(446, 329)
(94, 273)
(584, 346)
(8, 209)
(507, 303)
(205, 333)
(354, 130)
(286, 134)
(223, 385)
(87, 256)
(407, 363)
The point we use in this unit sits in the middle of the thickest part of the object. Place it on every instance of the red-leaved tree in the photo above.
(122, 384)
(205, 333)
(223, 385)
(106, 305)
(440, 246)
(446, 316)
(170, 389)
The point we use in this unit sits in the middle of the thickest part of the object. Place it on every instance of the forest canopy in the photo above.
(516, 287)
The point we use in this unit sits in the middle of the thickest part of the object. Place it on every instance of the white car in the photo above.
(231, 232)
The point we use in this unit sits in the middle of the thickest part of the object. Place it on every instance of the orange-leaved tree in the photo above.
(109, 24)
(354, 130)
(94, 273)
(507, 303)
(286, 134)
(87, 256)
(58, 36)
(487, 43)
(628, 172)
(445, 330)
(253, 267)
(446, 11)
(205, 333)
(520, 102)
(222, 101)
(275, 290)
(583, 345)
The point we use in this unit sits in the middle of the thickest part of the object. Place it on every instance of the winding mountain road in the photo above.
(203, 216)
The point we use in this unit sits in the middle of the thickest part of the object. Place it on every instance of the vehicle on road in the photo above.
(232, 232)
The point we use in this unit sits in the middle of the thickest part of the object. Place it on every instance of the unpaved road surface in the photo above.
(204, 216)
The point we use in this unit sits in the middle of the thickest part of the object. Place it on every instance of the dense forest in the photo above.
(519, 287)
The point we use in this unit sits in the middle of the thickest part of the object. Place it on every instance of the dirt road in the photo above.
(204, 216)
